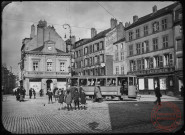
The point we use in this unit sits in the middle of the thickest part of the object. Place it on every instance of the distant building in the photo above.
(178, 42)
(120, 57)
(150, 42)
(44, 61)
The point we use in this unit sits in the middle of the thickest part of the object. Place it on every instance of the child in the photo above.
(61, 98)
(83, 99)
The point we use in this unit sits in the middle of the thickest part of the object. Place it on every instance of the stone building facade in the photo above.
(44, 62)
(150, 47)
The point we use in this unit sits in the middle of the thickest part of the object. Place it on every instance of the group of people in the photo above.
(69, 97)
(20, 93)
(32, 92)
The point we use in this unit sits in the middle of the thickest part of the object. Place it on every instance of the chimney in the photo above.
(135, 18)
(32, 31)
(154, 9)
(126, 24)
(93, 32)
(113, 23)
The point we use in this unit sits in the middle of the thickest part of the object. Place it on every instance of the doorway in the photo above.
(49, 84)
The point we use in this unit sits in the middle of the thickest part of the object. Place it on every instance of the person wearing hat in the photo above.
(83, 98)
(97, 93)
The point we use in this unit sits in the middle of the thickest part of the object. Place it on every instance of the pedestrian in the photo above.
(68, 99)
(83, 99)
(18, 94)
(158, 95)
(50, 94)
(97, 93)
(41, 92)
(182, 91)
(61, 98)
(76, 98)
(34, 93)
(21, 94)
(24, 93)
(56, 94)
(30, 92)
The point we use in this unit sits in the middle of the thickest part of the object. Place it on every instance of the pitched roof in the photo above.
(119, 41)
(152, 16)
(98, 36)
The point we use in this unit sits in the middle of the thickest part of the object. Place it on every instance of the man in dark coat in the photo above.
(76, 98)
(30, 92)
(158, 95)
(18, 94)
(83, 98)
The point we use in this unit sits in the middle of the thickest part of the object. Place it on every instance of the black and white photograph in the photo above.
(92, 67)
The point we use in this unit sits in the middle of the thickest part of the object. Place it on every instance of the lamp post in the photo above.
(64, 26)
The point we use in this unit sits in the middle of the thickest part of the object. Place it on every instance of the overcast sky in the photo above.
(17, 18)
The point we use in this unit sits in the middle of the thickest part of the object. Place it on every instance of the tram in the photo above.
(110, 85)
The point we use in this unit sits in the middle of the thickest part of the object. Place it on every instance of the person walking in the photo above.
(83, 99)
(34, 93)
(98, 95)
(41, 92)
(50, 94)
(61, 98)
(24, 93)
(18, 94)
(21, 94)
(30, 92)
(158, 95)
(76, 98)
(68, 99)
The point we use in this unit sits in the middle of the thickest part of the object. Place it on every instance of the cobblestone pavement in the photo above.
(37, 116)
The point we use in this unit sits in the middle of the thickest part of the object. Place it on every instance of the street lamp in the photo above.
(65, 27)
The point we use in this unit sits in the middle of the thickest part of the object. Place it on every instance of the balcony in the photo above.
(45, 74)
(153, 71)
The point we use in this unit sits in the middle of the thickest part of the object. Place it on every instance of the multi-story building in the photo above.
(120, 55)
(78, 56)
(178, 42)
(95, 62)
(44, 61)
(151, 50)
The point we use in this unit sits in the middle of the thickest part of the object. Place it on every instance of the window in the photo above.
(165, 41)
(90, 61)
(155, 26)
(179, 45)
(117, 69)
(142, 48)
(143, 64)
(164, 24)
(90, 48)
(145, 30)
(160, 61)
(122, 69)
(102, 58)
(138, 64)
(81, 63)
(49, 66)
(35, 66)
(151, 62)
(147, 63)
(116, 47)
(179, 63)
(130, 50)
(121, 45)
(132, 65)
(97, 46)
(116, 56)
(155, 44)
(137, 33)
(122, 55)
(156, 61)
(138, 48)
(130, 35)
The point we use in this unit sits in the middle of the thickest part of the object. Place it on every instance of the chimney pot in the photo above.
(154, 9)
(135, 18)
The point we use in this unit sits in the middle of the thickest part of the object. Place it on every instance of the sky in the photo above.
(17, 18)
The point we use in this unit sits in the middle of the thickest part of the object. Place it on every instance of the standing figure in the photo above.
(49, 93)
(158, 95)
(41, 92)
(18, 94)
(21, 94)
(61, 98)
(83, 99)
(76, 98)
(30, 93)
(34, 93)
(68, 99)
(98, 95)
(24, 93)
